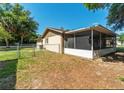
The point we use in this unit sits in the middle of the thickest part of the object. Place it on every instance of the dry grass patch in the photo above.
(56, 71)
(50, 70)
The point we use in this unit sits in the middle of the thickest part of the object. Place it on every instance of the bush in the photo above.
(121, 78)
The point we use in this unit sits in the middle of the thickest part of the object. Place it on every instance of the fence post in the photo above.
(18, 51)
(34, 50)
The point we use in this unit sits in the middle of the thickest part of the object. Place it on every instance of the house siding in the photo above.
(38, 45)
(54, 43)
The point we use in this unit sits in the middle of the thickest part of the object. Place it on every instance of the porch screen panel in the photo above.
(83, 42)
(69, 42)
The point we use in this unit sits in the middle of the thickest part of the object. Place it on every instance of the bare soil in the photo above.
(56, 71)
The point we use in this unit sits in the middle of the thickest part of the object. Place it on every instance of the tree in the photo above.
(17, 21)
(33, 37)
(23, 22)
(6, 16)
(115, 18)
(96, 6)
(121, 38)
(5, 35)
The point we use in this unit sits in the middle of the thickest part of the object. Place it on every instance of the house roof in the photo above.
(98, 28)
(53, 29)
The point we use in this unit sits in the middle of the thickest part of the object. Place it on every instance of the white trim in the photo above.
(79, 52)
(57, 30)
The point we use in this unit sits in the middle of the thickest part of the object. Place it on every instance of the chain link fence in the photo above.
(17, 51)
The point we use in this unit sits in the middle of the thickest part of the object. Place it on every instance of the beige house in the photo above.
(88, 42)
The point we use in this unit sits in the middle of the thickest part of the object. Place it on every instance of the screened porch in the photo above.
(91, 42)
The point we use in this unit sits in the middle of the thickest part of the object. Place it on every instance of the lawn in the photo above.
(49, 70)
(120, 49)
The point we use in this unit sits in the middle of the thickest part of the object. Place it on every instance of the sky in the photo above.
(66, 15)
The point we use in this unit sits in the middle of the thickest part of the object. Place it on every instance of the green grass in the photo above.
(8, 69)
(29, 71)
(9, 60)
(121, 78)
(120, 49)
(8, 54)
(10, 65)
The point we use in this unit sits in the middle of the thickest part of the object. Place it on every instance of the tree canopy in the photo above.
(121, 37)
(17, 21)
(115, 18)
(4, 35)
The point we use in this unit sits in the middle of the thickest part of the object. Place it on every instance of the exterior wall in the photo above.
(52, 47)
(38, 45)
(79, 52)
(103, 52)
(54, 43)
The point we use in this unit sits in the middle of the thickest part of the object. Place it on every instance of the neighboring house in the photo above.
(119, 43)
(88, 42)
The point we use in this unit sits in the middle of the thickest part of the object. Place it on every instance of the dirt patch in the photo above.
(56, 71)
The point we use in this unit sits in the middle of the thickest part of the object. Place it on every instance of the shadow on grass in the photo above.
(8, 70)
(120, 49)
(8, 49)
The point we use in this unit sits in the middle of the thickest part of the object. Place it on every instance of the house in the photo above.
(39, 42)
(88, 42)
(119, 43)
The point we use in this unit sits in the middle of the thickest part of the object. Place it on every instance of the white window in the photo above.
(46, 41)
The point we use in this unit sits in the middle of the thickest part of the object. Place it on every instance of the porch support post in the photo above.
(114, 41)
(62, 43)
(92, 42)
(100, 40)
(74, 41)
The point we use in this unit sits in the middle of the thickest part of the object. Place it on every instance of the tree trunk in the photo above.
(121, 43)
(22, 40)
(7, 42)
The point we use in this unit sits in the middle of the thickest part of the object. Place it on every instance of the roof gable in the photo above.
(54, 30)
